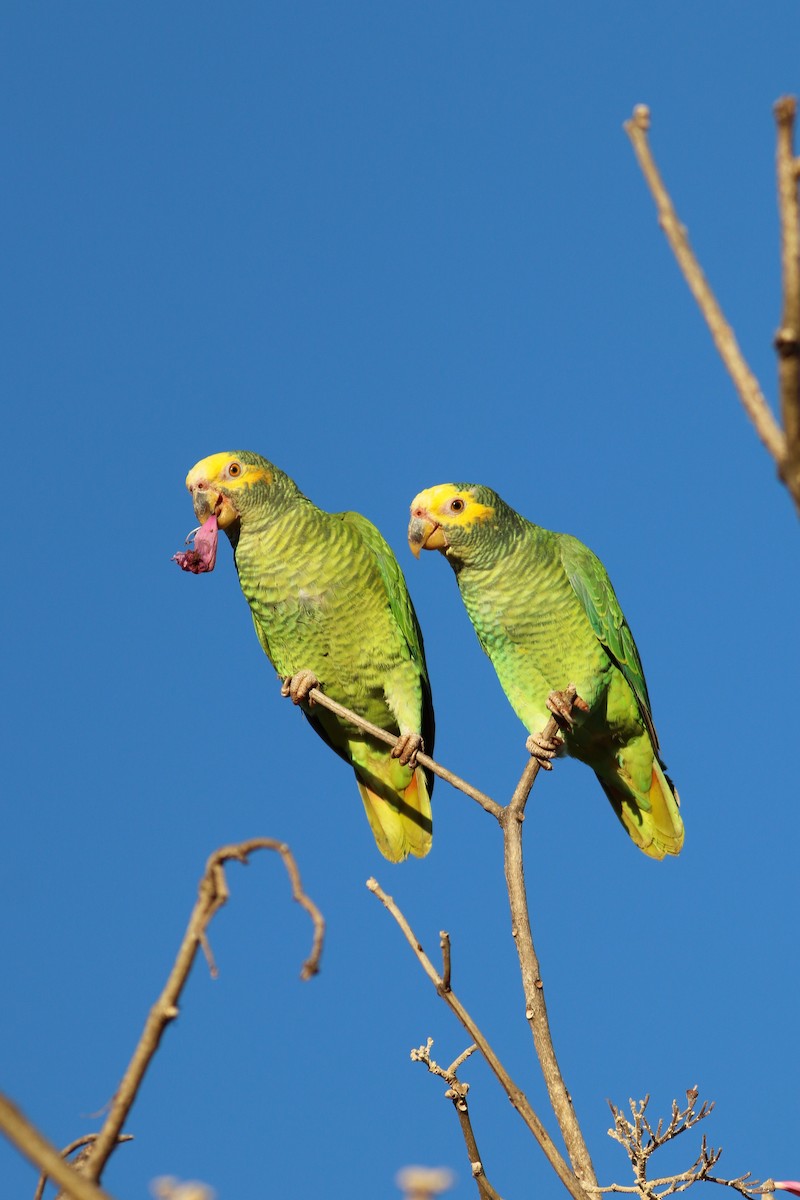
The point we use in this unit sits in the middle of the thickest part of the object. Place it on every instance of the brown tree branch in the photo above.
(457, 1092)
(424, 760)
(44, 1155)
(640, 1140)
(515, 1094)
(743, 378)
(213, 893)
(79, 1144)
(510, 819)
(533, 988)
(787, 339)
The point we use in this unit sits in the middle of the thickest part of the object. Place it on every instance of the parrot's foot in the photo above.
(561, 705)
(297, 687)
(409, 745)
(543, 749)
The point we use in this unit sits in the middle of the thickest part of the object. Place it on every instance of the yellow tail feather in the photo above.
(401, 826)
(657, 829)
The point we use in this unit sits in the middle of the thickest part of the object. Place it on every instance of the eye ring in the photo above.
(234, 470)
(458, 505)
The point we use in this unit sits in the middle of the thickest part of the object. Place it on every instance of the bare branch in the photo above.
(514, 1093)
(743, 378)
(640, 1141)
(213, 893)
(424, 760)
(533, 988)
(457, 1092)
(444, 943)
(78, 1144)
(44, 1155)
(787, 339)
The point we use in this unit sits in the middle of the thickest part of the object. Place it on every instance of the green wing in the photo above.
(590, 580)
(401, 609)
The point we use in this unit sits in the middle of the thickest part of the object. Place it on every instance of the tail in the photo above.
(653, 820)
(400, 820)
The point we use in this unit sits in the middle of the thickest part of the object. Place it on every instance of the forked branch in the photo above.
(510, 819)
(83, 1144)
(782, 444)
(457, 1092)
(640, 1140)
(44, 1155)
(515, 1094)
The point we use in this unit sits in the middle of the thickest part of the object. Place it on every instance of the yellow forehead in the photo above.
(435, 501)
(213, 470)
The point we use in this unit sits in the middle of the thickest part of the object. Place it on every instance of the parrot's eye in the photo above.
(234, 469)
(457, 505)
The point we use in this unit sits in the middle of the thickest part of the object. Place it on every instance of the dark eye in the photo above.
(234, 469)
(457, 505)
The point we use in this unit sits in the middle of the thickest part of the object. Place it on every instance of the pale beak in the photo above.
(207, 502)
(425, 534)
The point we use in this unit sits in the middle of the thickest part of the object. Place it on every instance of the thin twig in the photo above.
(213, 893)
(514, 1093)
(743, 378)
(424, 760)
(787, 339)
(457, 1092)
(44, 1155)
(87, 1140)
(444, 943)
(640, 1140)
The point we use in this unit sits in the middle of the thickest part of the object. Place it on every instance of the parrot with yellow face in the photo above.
(546, 614)
(331, 610)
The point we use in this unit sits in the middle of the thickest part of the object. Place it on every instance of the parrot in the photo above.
(331, 610)
(546, 614)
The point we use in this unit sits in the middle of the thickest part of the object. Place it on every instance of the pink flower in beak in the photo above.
(203, 555)
(788, 1185)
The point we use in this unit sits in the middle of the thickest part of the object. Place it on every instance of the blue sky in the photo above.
(386, 246)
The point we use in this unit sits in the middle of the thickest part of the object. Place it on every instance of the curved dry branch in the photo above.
(213, 893)
(744, 380)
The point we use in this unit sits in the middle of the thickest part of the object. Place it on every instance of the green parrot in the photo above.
(546, 614)
(331, 610)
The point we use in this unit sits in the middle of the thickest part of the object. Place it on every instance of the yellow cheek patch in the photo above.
(436, 500)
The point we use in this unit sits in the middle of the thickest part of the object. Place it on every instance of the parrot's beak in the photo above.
(425, 534)
(208, 502)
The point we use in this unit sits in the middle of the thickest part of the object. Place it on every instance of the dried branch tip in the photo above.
(641, 117)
